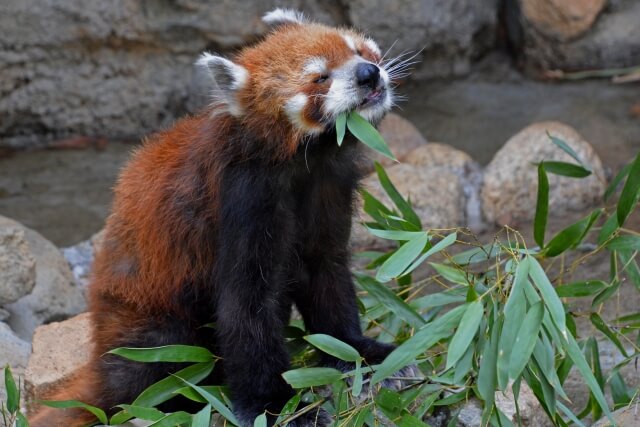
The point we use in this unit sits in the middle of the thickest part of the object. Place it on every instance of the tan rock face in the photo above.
(625, 417)
(55, 295)
(17, 265)
(510, 184)
(562, 19)
(13, 352)
(59, 349)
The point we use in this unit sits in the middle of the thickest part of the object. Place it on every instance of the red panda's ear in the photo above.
(278, 17)
(228, 79)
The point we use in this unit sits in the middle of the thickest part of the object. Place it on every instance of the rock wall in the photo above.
(123, 68)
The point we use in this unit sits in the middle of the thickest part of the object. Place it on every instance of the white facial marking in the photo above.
(373, 46)
(350, 42)
(228, 78)
(316, 65)
(294, 107)
(282, 16)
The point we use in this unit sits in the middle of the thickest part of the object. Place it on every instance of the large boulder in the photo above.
(17, 265)
(572, 35)
(509, 190)
(59, 349)
(14, 352)
(439, 180)
(55, 295)
(445, 35)
(629, 416)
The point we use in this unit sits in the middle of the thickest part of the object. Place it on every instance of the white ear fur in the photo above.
(228, 77)
(283, 16)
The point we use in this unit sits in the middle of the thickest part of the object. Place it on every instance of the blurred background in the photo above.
(82, 81)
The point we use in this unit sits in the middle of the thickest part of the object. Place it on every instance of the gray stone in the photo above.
(55, 295)
(17, 265)
(629, 416)
(510, 183)
(575, 35)
(59, 349)
(448, 34)
(13, 352)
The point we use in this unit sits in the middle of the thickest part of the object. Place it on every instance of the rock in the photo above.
(562, 19)
(13, 352)
(628, 416)
(55, 295)
(446, 34)
(438, 179)
(510, 184)
(531, 413)
(575, 34)
(401, 136)
(80, 258)
(17, 265)
(59, 349)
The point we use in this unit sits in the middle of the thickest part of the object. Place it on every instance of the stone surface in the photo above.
(562, 35)
(59, 349)
(17, 265)
(120, 69)
(531, 413)
(55, 295)
(448, 34)
(562, 19)
(628, 416)
(439, 182)
(401, 136)
(510, 184)
(13, 352)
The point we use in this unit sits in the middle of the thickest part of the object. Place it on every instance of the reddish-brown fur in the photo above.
(149, 250)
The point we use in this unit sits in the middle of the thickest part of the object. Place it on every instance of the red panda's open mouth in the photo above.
(374, 97)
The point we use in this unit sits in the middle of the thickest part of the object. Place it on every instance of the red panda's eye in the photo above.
(323, 78)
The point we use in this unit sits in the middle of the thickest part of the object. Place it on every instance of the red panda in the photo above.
(234, 215)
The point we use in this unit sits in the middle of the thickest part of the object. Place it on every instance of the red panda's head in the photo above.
(300, 78)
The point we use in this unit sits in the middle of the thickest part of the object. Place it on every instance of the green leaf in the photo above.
(165, 389)
(13, 394)
(288, 409)
(581, 289)
(624, 243)
(526, 340)
(334, 347)
(399, 235)
(341, 127)
(260, 421)
(144, 413)
(405, 207)
(401, 259)
(374, 208)
(467, 329)
(549, 295)
(212, 400)
(65, 404)
(454, 275)
(573, 351)
(425, 338)
(567, 149)
(487, 374)
(608, 228)
(570, 236)
(368, 135)
(630, 191)
(202, 418)
(616, 181)
(169, 353)
(438, 247)
(542, 206)
(566, 169)
(311, 377)
(390, 300)
(600, 325)
(411, 421)
(357, 379)
(630, 267)
(173, 420)
(21, 420)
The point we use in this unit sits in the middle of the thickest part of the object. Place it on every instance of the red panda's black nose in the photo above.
(367, 74)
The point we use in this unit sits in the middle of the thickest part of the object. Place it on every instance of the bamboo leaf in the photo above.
(405, 207)
(401, 259)
(169, 353)
(542, 206)
(467, 329)
(341, 127)
(334, 347)
(66, 404)
(526, 340)
(13, 394)
(311, 377)
(630, 191)
(202, 418)
(581, 289)
(566, 169)
(368, 135)
(390, 300)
